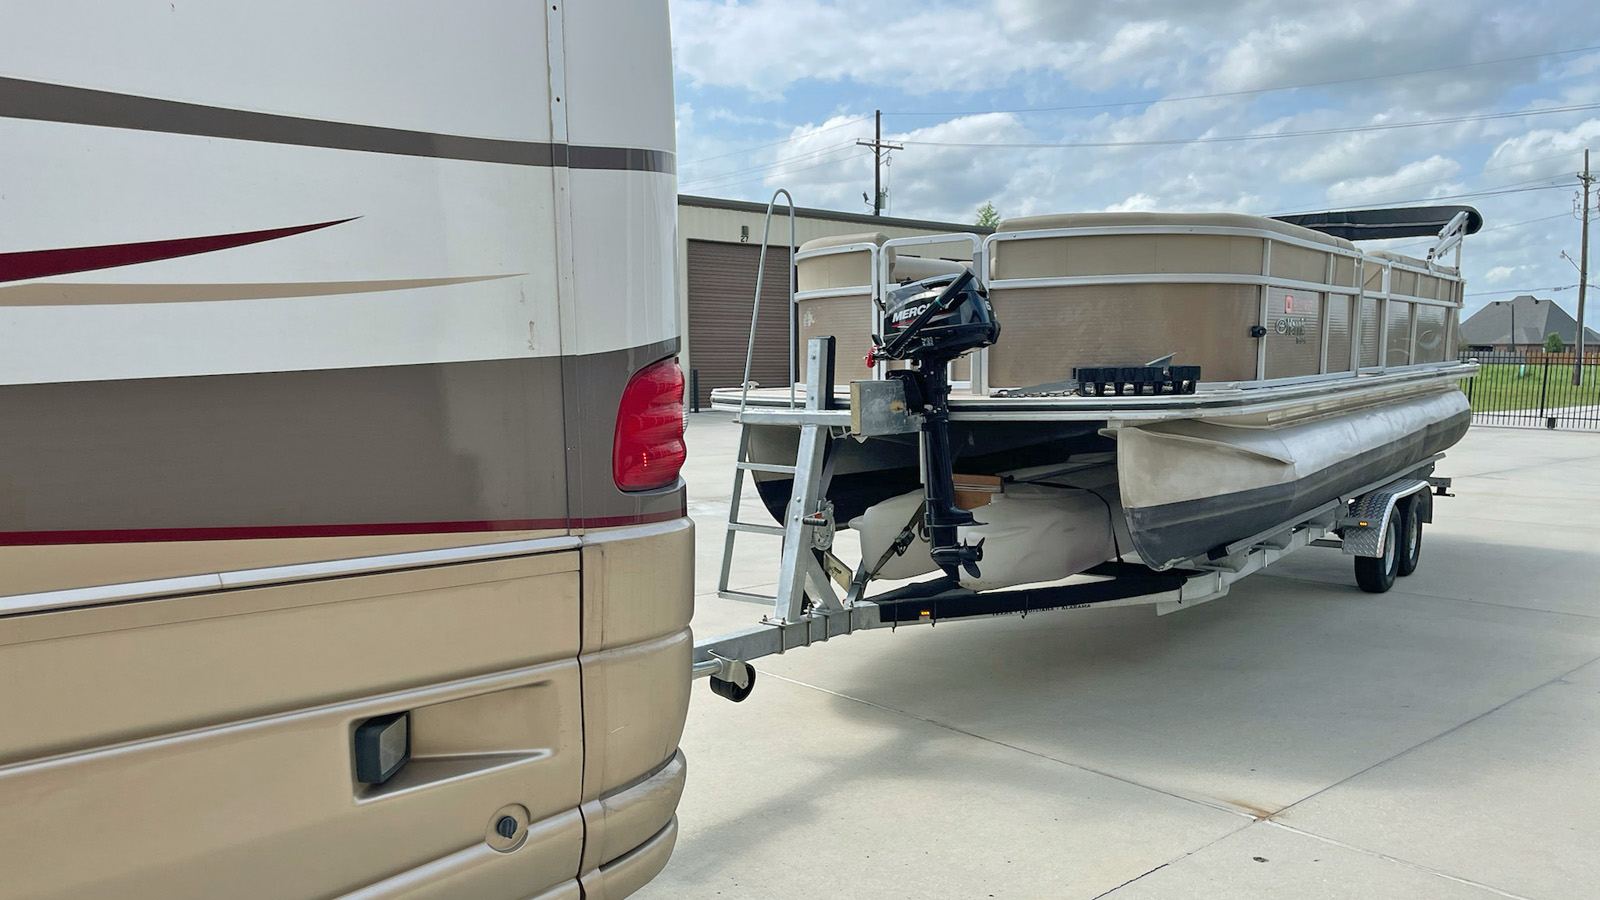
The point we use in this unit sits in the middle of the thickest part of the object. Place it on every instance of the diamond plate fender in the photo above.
(1368, 523)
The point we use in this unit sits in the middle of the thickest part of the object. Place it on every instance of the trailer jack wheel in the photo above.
(733, 691)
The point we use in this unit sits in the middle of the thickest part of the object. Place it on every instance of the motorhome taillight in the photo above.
(648, 450)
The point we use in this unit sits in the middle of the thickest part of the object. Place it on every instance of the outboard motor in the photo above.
(931, 323)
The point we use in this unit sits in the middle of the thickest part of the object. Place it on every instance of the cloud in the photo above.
(1541, 144)
(1432, 172)
(829, 64)
(765, 46)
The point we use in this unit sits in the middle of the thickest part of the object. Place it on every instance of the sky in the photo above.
(1045, 106)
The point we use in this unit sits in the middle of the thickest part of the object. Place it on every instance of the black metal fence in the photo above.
(1534, 389)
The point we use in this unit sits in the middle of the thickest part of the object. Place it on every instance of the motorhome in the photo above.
(343, 550)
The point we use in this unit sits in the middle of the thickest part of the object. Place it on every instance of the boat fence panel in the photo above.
(1294, 337)
(1398, 333)
(1371, 331)
(1338, 327)
(1250, 304)
(1431, 328)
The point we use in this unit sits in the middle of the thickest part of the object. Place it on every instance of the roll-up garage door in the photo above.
(722, 285)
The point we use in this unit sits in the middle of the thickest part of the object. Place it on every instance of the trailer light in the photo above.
(1362, 524)
(648, 450)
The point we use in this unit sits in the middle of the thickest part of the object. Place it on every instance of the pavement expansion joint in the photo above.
(1448, 731)
(1179, 858)
(1399, 861)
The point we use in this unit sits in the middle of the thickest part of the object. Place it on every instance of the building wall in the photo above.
(705, 223)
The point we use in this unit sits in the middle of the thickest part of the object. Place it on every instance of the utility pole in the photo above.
(879, 151)
(1583, 267)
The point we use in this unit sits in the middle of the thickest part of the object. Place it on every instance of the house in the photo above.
(1521, 325)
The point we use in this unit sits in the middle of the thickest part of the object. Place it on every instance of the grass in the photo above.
(1502, 387)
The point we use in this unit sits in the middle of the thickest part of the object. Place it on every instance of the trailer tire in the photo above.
(1410, 537)
(1376, 574)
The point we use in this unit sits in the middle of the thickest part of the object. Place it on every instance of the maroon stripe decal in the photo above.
(255, 532)
(45, 263)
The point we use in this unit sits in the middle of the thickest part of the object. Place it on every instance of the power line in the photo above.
(1515, 187)
(786, 140)
(1478, 174)
(1386, 126)
(762, 178)
(799, 157)
(1151, 101)
(1564, 287)
(1487, 192)
(1429, 243)
(1286, 87)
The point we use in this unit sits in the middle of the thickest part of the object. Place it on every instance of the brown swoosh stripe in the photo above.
(59, 294)
(25, 264)
(40, 101)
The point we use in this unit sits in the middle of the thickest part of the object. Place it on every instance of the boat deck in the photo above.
(1260, 403)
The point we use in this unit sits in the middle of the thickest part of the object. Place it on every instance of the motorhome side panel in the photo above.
(314, 325)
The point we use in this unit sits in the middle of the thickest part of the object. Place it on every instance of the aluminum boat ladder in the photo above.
(808, 525)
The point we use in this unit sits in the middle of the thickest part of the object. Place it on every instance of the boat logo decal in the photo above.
(1292, 325)
(909, 313)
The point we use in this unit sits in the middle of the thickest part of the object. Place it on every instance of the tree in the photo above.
(988, 216)
(1553, 344)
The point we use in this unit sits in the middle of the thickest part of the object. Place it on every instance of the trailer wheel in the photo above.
(1410, 538)
(730, 691)
(1376, 574)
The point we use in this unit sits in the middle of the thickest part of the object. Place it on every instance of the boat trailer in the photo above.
(1379, 525)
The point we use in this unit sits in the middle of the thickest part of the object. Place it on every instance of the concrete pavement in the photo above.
(1298, 738)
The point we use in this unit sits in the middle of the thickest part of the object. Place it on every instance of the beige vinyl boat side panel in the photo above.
(848, 318)
(1048, 331)
(1137, 254)
(1298, 263)
(836, 270)
(1177, 221)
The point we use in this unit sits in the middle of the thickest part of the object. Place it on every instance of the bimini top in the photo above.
(1172, 220)
(1378, 224)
